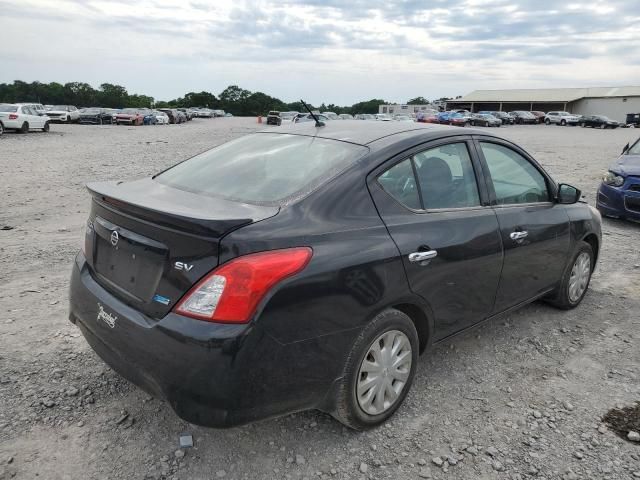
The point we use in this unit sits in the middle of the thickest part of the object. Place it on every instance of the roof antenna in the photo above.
(318, 122)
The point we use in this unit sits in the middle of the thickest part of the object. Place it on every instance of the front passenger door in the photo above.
(534, 228)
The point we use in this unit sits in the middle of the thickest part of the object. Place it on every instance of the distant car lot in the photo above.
(470, 393)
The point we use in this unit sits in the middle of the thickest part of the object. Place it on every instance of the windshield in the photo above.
(8, 108)
(635, 148)
(263, 168)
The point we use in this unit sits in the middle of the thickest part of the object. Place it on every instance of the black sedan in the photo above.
(307, 267)
(96, 116)
(598, 121)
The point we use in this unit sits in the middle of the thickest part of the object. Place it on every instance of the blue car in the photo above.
(619, 193)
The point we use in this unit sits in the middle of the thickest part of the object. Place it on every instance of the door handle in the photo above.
(518, 235)
(417, 257)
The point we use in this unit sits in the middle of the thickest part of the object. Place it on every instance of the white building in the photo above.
(404, 109)
(613, 102)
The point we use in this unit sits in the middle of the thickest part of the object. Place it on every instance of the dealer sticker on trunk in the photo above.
(106, 317)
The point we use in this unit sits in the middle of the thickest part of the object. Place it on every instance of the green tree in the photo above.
(418, 101)
(370, 106)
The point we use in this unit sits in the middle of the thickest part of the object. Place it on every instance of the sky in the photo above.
(327, 51)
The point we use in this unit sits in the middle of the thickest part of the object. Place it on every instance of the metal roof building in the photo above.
(614, 102)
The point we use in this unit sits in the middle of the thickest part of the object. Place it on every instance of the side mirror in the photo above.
(568, 194)
(624, 150)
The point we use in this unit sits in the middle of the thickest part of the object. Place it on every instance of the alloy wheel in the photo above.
(384, 372)
(580, 273)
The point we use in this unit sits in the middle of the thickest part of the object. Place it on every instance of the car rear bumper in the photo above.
(618, 202)
(217, 375)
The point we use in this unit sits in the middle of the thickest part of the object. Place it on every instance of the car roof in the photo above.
(364, 133)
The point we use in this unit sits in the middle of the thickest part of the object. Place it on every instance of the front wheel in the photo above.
(603, 126)
(1, 128)
(575, 279)
(563, 123)
(379, 371)
(547, 122)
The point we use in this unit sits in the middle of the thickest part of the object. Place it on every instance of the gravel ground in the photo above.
(520, 397)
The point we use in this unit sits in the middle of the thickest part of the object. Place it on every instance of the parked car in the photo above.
(619, 192)
(307, 117)
(633, 120)
(459, 119)
(443, 117)
(172, 114)
(522, 117)
(38, 108)
(22, 118)
(331, 115)
(345, 116)
(63, 113)
(96, 116)
(402, 118)
(204, 113)
(289, 270)
(599, 121)
(430, 117)
(149, 117)
(561, 118)
(287, 117)
(187, 113)
(161, 117)
(539, 115)
(219, 113)
(504, 116)
(485, 120)
(273, 118)
(365, 116)
(129, 116)
(181, 117)
(382, 117)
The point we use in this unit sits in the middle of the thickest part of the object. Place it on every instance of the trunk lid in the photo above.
(148, 243)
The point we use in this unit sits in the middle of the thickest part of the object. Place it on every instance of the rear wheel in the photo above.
(24, 128)
(563, 122)
(547, 122)
(603, 126)
(575, 279)
(46, 127)
(378, 372)
(1, 128)
(583, 124)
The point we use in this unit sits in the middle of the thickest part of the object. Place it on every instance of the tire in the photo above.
(603, 126)
(1, 129)
(486, 124)
(396, 326)
(564, 297)
(46, 127)
(547, 122)
(563, 123)
(24, 128)
(583, 124)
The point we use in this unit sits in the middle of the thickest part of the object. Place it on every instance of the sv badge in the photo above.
(183, 267)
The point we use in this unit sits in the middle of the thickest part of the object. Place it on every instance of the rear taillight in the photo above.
(13, 116)
(231, 292)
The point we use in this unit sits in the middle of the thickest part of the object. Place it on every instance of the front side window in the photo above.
(515, 179)
(446, 177)
(263, 168)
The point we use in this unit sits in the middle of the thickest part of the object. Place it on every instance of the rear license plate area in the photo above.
(127, 260)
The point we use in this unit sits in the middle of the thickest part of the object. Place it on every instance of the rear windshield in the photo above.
(263, 168)
(8, 108)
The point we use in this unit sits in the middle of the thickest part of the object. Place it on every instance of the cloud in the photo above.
(324, 50)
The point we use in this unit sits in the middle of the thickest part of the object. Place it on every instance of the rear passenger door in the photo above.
(445, 230)
(534, 228)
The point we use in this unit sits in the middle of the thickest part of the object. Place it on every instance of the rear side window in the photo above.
(263, 168)
(515, 179)
(400, 183)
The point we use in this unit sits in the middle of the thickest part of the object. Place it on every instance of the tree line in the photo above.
(233, 99)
